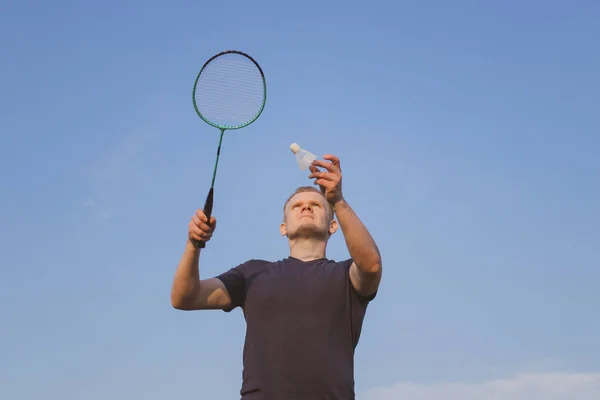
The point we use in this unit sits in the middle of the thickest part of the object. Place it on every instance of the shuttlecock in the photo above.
(303, 157)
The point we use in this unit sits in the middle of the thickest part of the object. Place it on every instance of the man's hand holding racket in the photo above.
(199, 230)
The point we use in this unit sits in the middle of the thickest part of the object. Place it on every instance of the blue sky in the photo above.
(468, 134)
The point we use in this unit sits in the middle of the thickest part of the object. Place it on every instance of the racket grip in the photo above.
(208, 206)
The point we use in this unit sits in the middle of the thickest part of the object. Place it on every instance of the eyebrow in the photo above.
(312, 202)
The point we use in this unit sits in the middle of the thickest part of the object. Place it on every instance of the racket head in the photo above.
(230, 91)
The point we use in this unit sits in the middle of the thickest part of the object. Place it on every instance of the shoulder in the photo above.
(252, 265)
(242, 272)
(237, 280)
(344, 270)
(342, 265)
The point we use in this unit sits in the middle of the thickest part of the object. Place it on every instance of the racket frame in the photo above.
(262, 106)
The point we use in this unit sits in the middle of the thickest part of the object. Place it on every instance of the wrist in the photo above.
(339, 203)
(190, 246)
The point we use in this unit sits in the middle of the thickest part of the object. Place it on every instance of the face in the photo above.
(306, 217)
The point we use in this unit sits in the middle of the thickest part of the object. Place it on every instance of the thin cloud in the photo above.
(109, 176)
(525, 386)
(95, 210)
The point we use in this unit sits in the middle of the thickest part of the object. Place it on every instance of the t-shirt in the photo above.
(303, 322)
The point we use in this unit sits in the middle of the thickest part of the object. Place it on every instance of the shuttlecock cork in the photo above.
(303, 157)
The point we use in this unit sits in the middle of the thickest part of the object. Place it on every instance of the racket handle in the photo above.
(208, 205)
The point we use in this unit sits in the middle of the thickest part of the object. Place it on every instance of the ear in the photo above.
(283, 229)
(333, 227)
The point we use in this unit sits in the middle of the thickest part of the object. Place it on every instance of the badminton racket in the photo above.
(230, 92)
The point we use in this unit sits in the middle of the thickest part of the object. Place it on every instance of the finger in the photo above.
(200, 214)
(325, 175)
(313, 170)
(205, 236)
(200, 238)
(334, 159)
(202, 219)
(201, 225)
(324, 164)
(205, 228)
(199, 233)
(196, 220)
(323, 184)
(198, 226)
(196, 235)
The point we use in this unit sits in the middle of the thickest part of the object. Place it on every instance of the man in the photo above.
(304, 313)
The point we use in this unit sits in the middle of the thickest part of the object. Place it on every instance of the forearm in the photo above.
(360, 243)
(187, 277)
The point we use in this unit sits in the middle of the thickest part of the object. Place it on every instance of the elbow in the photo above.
(368, 263)
(180, 306)
(370, 268)
(176, 304)
(373, 269)
(179, 302)
(373, 265)
(183, 295)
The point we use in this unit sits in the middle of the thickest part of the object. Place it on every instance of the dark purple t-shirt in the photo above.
(303, 322)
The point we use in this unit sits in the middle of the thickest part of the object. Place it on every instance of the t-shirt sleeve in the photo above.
(234, 281)
(363, 299)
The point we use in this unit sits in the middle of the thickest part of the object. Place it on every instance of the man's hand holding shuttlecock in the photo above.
(330, 180)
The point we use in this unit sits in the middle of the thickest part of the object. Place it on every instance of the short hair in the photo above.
(303, 189)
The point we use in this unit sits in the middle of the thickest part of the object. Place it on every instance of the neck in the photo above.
(306, 249)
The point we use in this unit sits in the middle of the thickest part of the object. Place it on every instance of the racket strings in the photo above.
(230, 91)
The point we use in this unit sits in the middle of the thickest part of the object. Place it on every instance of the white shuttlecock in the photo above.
(303, 157)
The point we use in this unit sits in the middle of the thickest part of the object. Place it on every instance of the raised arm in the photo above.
(365, 272)
(188, 291)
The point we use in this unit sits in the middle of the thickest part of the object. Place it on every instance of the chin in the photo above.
(309, 232)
